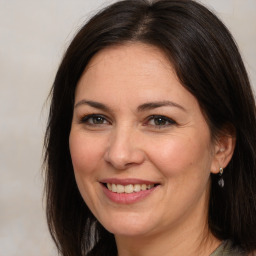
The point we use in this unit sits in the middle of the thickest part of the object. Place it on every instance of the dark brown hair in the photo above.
(208, 65)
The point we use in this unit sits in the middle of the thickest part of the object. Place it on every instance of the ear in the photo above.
(223, 151)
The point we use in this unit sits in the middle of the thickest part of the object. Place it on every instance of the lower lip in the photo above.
(127, 198)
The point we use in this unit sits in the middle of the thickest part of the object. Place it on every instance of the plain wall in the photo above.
(33, 37)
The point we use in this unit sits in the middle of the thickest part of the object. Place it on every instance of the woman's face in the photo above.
(141, 149)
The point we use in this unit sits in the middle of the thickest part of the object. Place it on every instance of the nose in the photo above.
(124, 149)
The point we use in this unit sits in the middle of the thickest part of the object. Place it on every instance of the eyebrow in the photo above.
(140, 108)
(93, 104)
(158, 104)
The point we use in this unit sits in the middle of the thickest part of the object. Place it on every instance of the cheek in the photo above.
(85, 152)
(179, 154)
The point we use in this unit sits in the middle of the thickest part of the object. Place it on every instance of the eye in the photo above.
(160, 121)
(94, 120)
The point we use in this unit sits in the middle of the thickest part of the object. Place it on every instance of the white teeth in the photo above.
(136, 188)
(118, 188)
(143, 187)
(128, 189)
(114, 189)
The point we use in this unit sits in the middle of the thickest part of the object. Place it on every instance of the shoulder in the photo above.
(227, 249)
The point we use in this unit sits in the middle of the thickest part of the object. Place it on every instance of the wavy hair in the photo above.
(208, 64)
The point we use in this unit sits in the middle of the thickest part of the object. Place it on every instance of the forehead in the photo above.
(131, 66)
(146, 57)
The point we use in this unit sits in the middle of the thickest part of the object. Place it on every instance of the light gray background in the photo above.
(33, 37)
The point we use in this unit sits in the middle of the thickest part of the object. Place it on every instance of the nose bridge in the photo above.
(123, 149)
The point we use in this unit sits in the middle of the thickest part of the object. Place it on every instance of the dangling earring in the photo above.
(221, 180)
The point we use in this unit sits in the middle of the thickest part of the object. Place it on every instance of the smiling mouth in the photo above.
(128, 189)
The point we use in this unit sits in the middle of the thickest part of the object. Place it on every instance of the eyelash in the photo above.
(160, 118)
(86, 119)
(163, 121)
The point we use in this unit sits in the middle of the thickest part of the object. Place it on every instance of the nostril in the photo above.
(121, 154)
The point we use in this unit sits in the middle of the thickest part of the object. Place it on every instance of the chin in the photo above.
(128, 225)
(128, 231)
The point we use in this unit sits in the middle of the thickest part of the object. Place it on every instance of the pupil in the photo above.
(160, 121)
(98, 120)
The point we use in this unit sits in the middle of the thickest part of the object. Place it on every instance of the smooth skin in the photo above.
(134, 119)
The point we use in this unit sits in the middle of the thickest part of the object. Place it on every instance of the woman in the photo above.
(150, 145)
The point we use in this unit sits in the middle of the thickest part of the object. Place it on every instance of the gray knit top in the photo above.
(226, 249)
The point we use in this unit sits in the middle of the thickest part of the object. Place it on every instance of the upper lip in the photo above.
(127, 181)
